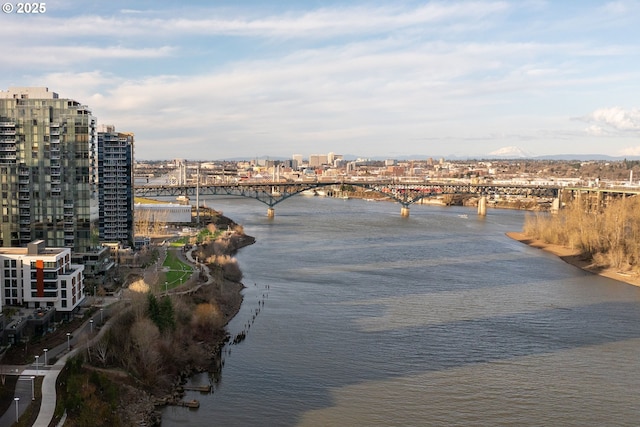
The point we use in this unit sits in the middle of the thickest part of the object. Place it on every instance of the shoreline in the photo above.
(573, 257)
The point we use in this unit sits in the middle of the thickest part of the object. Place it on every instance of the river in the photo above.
(356, 316)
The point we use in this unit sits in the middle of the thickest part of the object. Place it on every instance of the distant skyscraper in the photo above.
(115, 185)
(47, 170)
(316, 160)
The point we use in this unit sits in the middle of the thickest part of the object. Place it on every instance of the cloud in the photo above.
(324, 22)
(595, 130)
(63, 56)
(614, 119)
(630, 151)
(329, 22)
(354, 93)
(224, 81)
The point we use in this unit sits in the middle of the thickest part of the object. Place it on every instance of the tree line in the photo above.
(609, 237)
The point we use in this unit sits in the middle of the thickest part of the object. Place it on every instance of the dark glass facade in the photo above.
(115, 188)
(48, 174)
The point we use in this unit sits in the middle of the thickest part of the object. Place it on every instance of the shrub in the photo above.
(610, 237)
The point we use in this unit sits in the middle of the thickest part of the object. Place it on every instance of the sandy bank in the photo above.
(573, 257)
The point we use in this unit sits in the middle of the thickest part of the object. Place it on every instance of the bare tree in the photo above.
(101, 349)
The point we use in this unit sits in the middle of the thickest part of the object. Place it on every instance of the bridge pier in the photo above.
(271, 213)
(482, 206)
(404, 212)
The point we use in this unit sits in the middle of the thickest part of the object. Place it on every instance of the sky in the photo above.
(208, 80)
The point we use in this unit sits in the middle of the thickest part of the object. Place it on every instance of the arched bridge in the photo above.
(272, 193)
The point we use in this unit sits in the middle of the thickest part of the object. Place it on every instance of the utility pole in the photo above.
(198, 194)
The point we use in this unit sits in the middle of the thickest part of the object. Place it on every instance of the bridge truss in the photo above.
(272, 193)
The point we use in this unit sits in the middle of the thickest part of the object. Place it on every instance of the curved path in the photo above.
(89, 332)
(85, 335)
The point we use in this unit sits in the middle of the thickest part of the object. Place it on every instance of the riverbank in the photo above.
(573, 257)
(144, 365)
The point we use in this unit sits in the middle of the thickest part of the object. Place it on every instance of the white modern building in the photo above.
(40, 277)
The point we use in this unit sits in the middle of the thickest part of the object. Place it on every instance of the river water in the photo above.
(358, 317)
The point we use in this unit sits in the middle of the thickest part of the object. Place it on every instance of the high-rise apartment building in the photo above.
(115, 185)
(48, 175)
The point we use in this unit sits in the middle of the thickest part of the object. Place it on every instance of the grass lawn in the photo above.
(147, 201)
(206, 234)
(179, 242)
(178, 273)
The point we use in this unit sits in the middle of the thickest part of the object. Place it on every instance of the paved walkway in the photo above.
(86, 334)
(78, 341)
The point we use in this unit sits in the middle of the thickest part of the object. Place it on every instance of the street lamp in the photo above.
(68, 343)
(37, 357)
(33, 392)
(45, 356)
(91, 323)
(17, 399)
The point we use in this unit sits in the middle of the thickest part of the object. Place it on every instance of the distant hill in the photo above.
(586, 157)
(505, 153)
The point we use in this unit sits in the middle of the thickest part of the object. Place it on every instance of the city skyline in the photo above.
(373, 79)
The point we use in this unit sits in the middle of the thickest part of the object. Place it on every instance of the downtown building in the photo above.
(48, 173)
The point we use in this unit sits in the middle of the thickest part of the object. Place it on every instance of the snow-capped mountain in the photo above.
(511, 152)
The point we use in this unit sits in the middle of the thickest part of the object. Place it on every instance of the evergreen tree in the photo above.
(153, 310)
(167, 316)
(161, 313)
